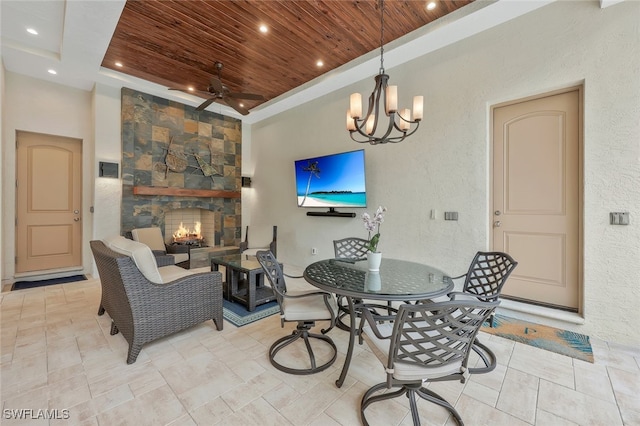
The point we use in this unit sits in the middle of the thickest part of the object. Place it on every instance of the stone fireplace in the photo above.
(178, 161)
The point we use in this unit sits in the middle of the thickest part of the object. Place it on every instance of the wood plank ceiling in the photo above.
(176, 43)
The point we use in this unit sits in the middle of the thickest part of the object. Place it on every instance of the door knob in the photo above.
(497, 224)
(497, 212)
(75, 219)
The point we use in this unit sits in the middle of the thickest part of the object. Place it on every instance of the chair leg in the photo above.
(411, 395)
(488, 358)
(410, 390)
(431, 396)
(114, 329)
(134, 350)
(302, 332)
(101, 310)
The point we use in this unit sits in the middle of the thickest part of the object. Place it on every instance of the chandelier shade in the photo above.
(372, 128)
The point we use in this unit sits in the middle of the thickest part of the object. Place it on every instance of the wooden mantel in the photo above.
(184, 192)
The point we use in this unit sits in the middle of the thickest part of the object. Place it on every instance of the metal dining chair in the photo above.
(427, 342)
(353, 249)
(487, 275)
(303, 307)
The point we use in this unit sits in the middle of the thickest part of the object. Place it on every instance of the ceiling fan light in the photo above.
(32, 31)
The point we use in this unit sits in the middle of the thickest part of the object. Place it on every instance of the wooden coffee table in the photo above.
(245, 280)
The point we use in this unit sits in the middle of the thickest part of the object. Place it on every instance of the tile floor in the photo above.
(57, 354)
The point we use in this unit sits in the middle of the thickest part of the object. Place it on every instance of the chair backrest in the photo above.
(488, 273)
(351, 248)
(436, 336)
(274, 274)
(260, 237)
(149, 236)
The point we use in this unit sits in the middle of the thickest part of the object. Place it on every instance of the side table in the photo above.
(245, 280)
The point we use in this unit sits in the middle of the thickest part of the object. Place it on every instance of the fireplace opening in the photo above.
(189, 236)
(190, 226)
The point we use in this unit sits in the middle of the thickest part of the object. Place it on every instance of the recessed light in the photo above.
(263, 28)
(431, 5)
(319, 63)
(191, 89)
(52, 71)
(32, 31)
(119, 64)
(241, 105)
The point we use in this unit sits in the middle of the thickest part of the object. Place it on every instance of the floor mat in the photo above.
(21, 285)
(553, 339)
(238, 315)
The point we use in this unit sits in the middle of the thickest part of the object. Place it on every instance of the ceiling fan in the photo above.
(216, 90)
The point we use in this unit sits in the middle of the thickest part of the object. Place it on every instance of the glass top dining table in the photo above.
(397, 280)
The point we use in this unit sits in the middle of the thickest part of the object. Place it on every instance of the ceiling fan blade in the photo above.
(216, 85)
(235, 105)
(205, 104)
(249, 96)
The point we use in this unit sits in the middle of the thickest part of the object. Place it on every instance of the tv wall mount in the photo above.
(331, 213)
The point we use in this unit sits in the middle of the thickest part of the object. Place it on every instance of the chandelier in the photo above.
(364, 129)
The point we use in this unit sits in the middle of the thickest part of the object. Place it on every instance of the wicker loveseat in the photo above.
(145, 302)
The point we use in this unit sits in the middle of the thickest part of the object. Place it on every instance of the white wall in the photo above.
(38, 106)
(446, 165)
(2, 168)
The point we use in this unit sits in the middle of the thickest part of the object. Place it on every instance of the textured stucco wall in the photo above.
(446, 165)
(42, 107)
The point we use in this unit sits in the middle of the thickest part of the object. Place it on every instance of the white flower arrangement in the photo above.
(373, 225)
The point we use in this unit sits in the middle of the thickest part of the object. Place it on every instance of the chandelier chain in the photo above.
(381, 36)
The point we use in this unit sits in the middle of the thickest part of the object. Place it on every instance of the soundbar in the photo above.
(332, 213)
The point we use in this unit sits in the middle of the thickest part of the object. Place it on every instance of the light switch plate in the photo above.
(450, 215)
(619, 218)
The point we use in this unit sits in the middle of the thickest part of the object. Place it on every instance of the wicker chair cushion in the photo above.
(149, 236)
(306, 308)
(141, 255)
(171, 273)
(409, 372)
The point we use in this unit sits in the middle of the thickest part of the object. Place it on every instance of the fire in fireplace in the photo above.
(187, 236)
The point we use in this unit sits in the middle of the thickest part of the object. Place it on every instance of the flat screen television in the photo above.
(330, 181)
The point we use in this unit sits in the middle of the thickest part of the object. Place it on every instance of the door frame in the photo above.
(580, 88)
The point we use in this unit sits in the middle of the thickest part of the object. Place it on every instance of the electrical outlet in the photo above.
(314, 250)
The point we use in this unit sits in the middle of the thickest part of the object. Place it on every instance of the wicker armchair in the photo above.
(144, 310)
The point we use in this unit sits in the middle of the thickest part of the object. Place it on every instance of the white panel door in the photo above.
(49, 202)
(536, 197)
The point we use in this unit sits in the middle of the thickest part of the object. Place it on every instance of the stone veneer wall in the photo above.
(149, 125)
